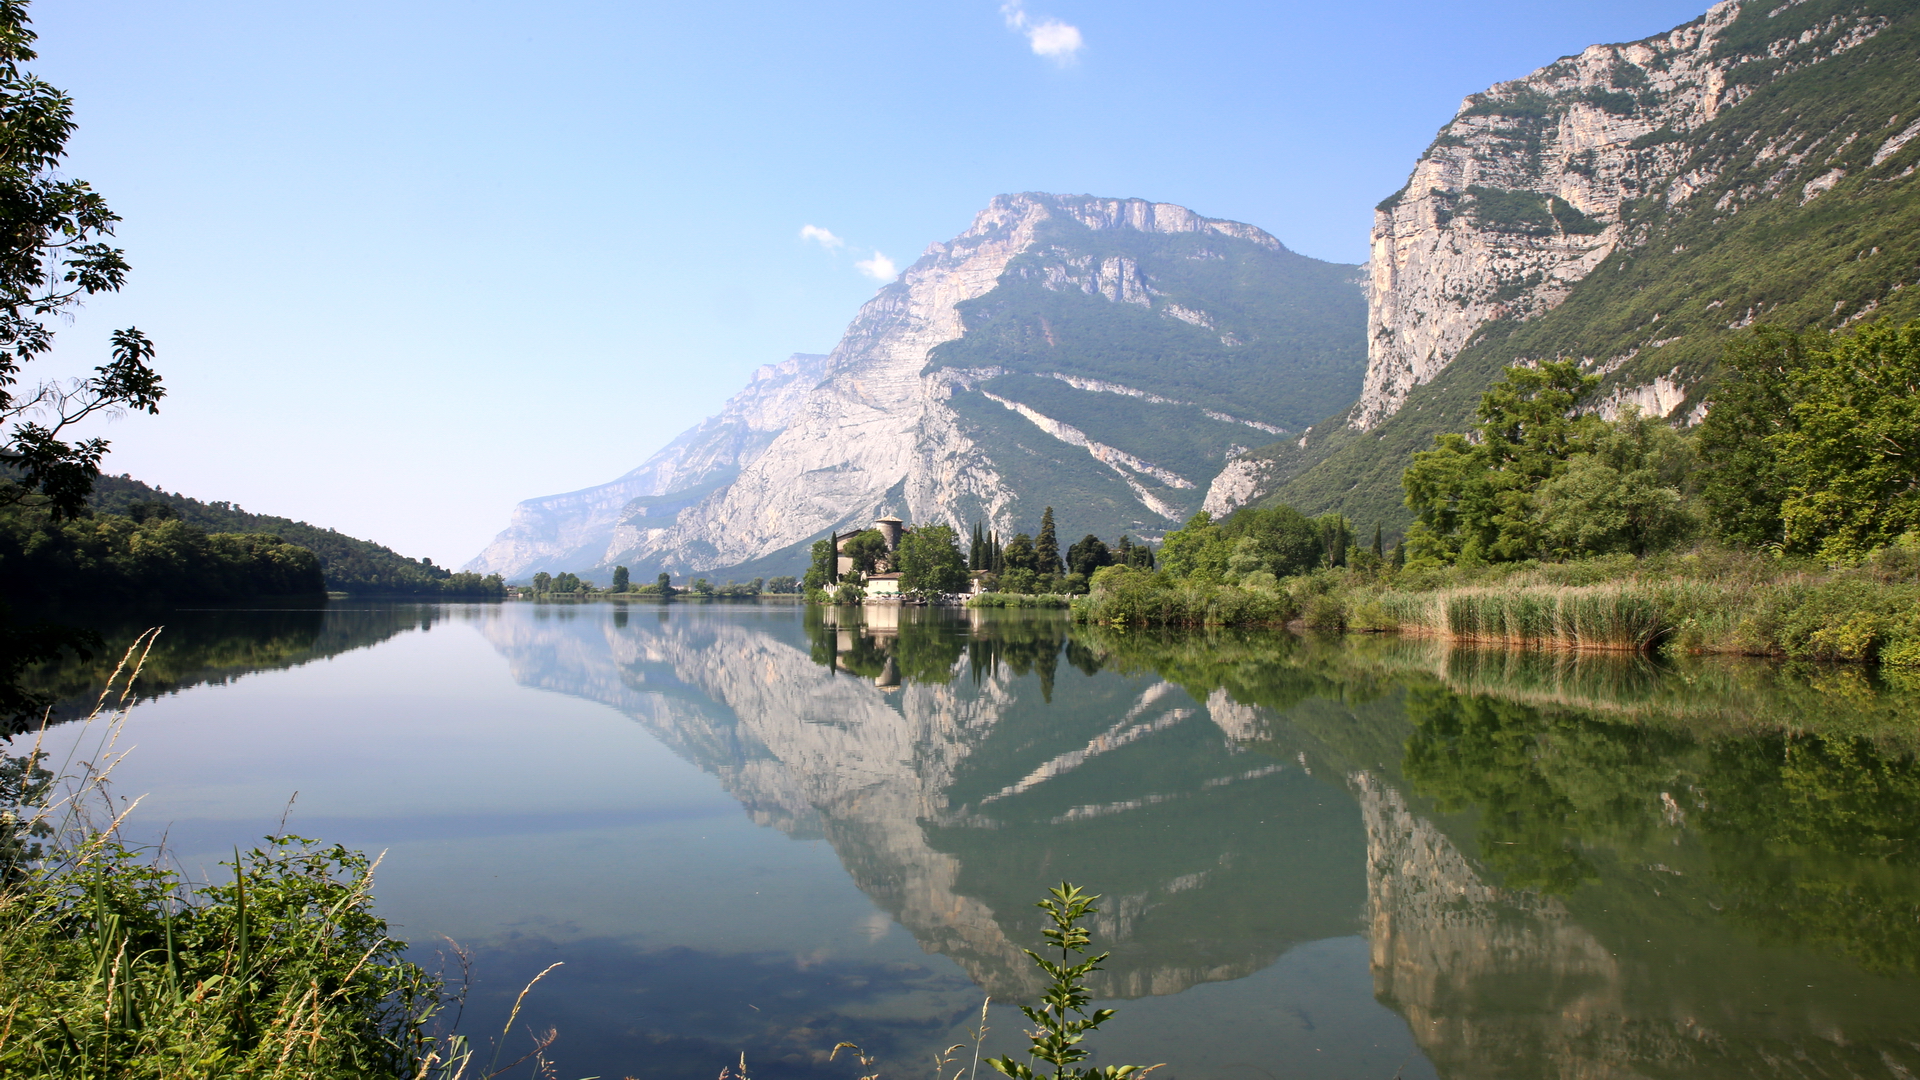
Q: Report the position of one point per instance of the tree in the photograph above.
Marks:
(665, 584)
(53, 255)
(1019, 554)
(1046, 546)
(1741, 482)
(1474, 497)
(1197, 549)
(1336, 536)
(1379, 534)
(929, 561)
(542, 582)
(1090, 553)
(867, 550)
(825, 566)
(979, 555)
(1850, 453)
(1628, 495)
(621, 579)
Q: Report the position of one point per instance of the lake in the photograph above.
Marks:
(768, 829)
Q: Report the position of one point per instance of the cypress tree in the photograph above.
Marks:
(1378, 550)
(1046, 546)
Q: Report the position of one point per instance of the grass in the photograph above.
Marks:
(112, 965)
(1704, 601)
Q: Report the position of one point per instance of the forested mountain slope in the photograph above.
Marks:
(1107, 357)
(350, 565)
(1633, 207)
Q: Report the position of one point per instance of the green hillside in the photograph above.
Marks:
(352, 566)
(1222, 331)
(1743, 249)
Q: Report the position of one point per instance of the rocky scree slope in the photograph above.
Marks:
(1107, 357)
(1632, 207)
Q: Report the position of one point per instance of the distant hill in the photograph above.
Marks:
(1632, 207)
(354, 566)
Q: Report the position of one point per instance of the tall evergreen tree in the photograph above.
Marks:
(1379, 534)
(1046, 546)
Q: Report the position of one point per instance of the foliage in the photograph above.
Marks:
(868, 550)
(1276, 541)
(1742, 485)
(1062, 1021)
(621, 579)
(1707, 261)
(53, 255)
(784, 585)
(930, 562)
(1046, 546)
(115, 966)
(822, 570)
(360, 567)
(1851, 453)
(108, 557)
(1475, 497)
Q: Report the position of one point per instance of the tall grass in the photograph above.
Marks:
(114, 966)
(1704, 601)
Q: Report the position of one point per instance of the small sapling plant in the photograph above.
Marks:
(1062, 1020)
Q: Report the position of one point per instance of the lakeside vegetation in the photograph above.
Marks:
(1787, 525)
(113, 964)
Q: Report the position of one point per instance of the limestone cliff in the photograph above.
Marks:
(576, 529)
(1104, 356)
(1634, 208)
(1520, 196)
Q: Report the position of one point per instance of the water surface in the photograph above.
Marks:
(771, 829)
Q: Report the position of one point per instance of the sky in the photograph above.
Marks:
(409, 263)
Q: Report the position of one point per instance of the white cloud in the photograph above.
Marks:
(1051, 38)
(822, 237)
(879, 268)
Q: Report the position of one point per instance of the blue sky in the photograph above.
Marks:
(410, 263)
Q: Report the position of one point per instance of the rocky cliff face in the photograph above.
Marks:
(1633, 208)
(576, 529)
(1521, 195)
(1093, 354)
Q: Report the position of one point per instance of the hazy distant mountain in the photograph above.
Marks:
(1107, 357)
(1633, 207)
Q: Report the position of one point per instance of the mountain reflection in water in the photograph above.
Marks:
(1563, 866)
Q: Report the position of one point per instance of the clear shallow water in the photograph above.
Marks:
(761, 829)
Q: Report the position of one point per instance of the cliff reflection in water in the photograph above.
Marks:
(1592, 867)
(958, 766)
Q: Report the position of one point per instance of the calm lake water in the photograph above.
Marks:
(765, 829)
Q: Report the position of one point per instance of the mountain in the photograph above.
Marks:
(1107, 357)
(577, 530)
(350, 565)
(1633, 206)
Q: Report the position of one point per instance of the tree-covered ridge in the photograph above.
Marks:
(108, 557)
(349, 565)
(1749, 243)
